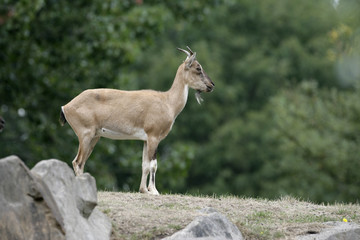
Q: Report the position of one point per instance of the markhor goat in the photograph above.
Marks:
(145, 115)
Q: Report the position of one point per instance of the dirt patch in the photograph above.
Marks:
(141, 216)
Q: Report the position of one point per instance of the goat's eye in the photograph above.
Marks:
(198, 69)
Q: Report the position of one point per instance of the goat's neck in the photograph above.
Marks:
(178, 93)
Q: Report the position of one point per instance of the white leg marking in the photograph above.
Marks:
(153, 168)
(145, 173)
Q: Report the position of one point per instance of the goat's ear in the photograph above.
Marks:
(190, 61)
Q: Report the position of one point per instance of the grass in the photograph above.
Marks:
(141, 216)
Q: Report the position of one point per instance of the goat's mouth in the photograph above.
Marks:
(208, 89)
(198, 93)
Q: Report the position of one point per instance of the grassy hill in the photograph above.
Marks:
(141, 216)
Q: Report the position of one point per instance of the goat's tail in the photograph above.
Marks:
(62, 118)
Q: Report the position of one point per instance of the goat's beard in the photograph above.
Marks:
(198, 96)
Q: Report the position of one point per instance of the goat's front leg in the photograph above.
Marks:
(149, 165)
(153, 168)
(145, 170)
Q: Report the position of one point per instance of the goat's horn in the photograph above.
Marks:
(191, 52)
(187, 53)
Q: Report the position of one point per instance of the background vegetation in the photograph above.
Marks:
(284, 118)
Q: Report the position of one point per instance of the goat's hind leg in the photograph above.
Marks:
(75, 162)
(86, 145)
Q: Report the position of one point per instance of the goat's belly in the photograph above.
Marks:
(136, 134)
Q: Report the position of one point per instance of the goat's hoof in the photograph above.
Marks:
(78, 172)
(153, 192)
(143, 190)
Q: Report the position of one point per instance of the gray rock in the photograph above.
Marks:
(213, 225)
(26, 208)
(48, 202)
(335, 231)
(86, 195)
(76, 199)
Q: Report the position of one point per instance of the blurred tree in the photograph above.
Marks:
(318, 134)
(346, 38)
(303, 143)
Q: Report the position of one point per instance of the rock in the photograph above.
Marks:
(86, 197)
(48, 202)
(336, 231)
(213, 225)
(102, 223)
(25, 213)
(76, 198)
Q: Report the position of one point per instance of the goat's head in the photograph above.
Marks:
(195, 76)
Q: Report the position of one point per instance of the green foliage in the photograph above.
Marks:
(305, 142)
(318, 133)
(283, 118)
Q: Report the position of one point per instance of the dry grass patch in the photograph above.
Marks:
(140, 216)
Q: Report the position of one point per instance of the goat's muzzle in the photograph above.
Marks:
(210, 88)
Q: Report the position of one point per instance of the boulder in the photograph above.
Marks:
(25, 212)
(211, 225)
(86, 195)
(48, 202)
(76, 197)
